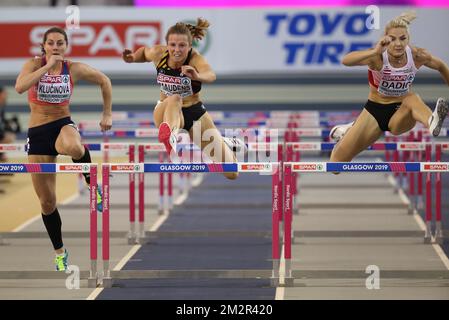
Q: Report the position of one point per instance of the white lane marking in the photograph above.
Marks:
(280, 291)
(27, 223)
(70, 199)
(36, 217)
(136, 247)
(182, 197)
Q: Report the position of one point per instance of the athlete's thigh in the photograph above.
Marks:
(159, 111)
(211, 135)
(44, 184)
(401, 121)
(361, 135)
(68, 138)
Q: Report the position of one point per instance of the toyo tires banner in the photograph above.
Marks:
(239, 41)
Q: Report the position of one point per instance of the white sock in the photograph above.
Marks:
(60, 254)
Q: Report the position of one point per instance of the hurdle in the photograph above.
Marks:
(261, 168)
(340, 167)
(53, 168)
(163, 205)
(415, 200)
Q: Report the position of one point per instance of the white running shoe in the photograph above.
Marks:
(339, 131)
(437, 118)
(236, 145)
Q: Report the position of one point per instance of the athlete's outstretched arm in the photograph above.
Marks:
(424, 57)
(143, 54)
(81, 71)
(29, 77)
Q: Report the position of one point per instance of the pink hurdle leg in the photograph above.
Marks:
(107, 281)
(105, 151)
(81, 180)
(411, 179)
(296, 158)
(161, 186)
(141, 196)
(428, 234)
(132, 198)
(403, 175)
(288, 202)
(170, 191)
(93, 276)
(438, 228)
(420, 202)
(387, 152)
(396, 156)
(281, 178)
(275, 215)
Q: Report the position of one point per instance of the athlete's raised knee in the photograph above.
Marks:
(75, 150)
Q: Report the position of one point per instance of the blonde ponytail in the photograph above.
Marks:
(401, 21)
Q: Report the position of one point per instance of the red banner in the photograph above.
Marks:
(92, 39)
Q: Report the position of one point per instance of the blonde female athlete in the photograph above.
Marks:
(180, 72)
(49, 81)
(391, 105)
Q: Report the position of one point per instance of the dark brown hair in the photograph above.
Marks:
(192, 32)
(54, 30)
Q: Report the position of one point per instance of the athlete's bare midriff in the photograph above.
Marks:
(42, 114)
(378, 98)
(187, 101)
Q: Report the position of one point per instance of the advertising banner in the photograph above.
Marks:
(239, 41)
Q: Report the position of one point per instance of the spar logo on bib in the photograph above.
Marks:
(186, 81)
